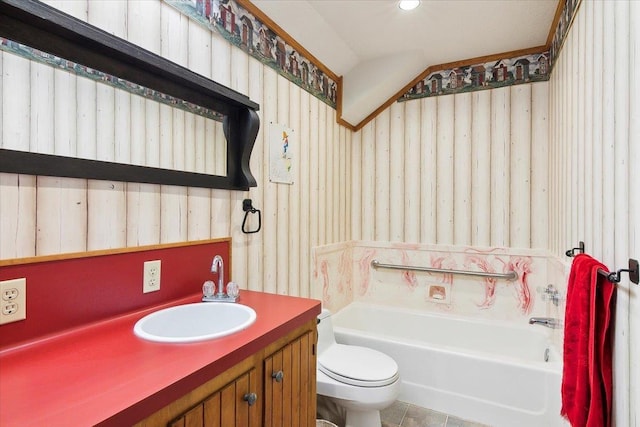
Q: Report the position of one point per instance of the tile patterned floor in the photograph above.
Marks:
(402, 414)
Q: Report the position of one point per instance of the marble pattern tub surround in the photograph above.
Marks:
(486, 298)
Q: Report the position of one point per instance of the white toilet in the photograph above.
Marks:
(361, 380)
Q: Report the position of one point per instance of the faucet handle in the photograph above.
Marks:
(233, 290)
(208, 288)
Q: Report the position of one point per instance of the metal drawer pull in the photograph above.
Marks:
(250, 398)
(278, 376)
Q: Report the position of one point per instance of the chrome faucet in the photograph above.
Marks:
(219, 264)
(549, 322)
(232, 292)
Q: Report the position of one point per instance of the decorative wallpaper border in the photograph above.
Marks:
(482, 76)
(562, 28)
(56, 62)
(242, 29)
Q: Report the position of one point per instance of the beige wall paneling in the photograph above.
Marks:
(303, 173)
(255, 242)
(540, 165)
(520, 189)
(17, 192)
(381, 171)
(269, 109)
(343, 177)
(16, 80)
(326, 153)
(411, 167)
(314, 175)
(18, 213)
(366, 191)
(240, 241)
(621, 196)
(356, 216)
(581, 134)
(594, 83)
(221, 64)
(283, 190)
(143, 200)
(634, 208)
(174, 29)
(333, 171)
(195, 141)
(481, 169)
(41, 139)
(61, 215)
(396, 171)
(428, 170)
(295, 226)
(324, 207)
(462, 143)
(608, 134)
(337, 176)
(445, 169)
(106, 201)
(594, 114)
(500, 167)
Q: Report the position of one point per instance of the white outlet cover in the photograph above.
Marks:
(13, 300)
(151, 276)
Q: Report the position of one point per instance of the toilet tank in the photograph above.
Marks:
(325, 331)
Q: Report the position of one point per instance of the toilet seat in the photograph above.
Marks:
(344, 363)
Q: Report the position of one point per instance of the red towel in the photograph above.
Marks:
(586, 376)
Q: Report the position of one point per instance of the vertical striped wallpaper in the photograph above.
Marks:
(540, 165)
(57, 112)
(467, 169)
(594, 177)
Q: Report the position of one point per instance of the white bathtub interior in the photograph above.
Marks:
(482, 370)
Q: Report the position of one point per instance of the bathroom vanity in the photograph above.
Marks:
(273, 387)
(102, 374)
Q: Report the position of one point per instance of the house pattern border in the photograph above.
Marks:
(243, 30)
(569, 12)
(505, 72)
(482, 76)
(56, 62)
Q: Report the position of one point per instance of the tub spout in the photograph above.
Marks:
(549, 322)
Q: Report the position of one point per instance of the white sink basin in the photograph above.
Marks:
(194, 322)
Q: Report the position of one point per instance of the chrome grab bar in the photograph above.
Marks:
(512, 275)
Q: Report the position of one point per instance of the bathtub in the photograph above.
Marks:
(485, 371)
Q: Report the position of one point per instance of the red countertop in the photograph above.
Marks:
(102, 374)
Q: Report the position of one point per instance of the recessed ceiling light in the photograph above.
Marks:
(408, 4)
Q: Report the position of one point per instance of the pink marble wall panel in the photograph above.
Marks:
(462, 295)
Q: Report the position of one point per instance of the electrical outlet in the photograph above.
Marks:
(13, 300)
(151, 276)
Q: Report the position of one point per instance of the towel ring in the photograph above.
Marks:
(248, 208)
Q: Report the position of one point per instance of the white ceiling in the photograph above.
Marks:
(379, 48)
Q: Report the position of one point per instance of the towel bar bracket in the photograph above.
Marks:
(615, 276)
(634, 273)
(572, 252)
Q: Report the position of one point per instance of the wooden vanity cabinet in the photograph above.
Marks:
(289, 379)
(275, 387)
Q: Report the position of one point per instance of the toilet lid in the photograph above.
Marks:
(359, 366)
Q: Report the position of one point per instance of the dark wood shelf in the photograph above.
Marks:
(42, 27)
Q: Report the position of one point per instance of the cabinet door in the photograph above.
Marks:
(290, 384)
(236, 404)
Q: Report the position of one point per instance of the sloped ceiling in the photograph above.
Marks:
(378, 48)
